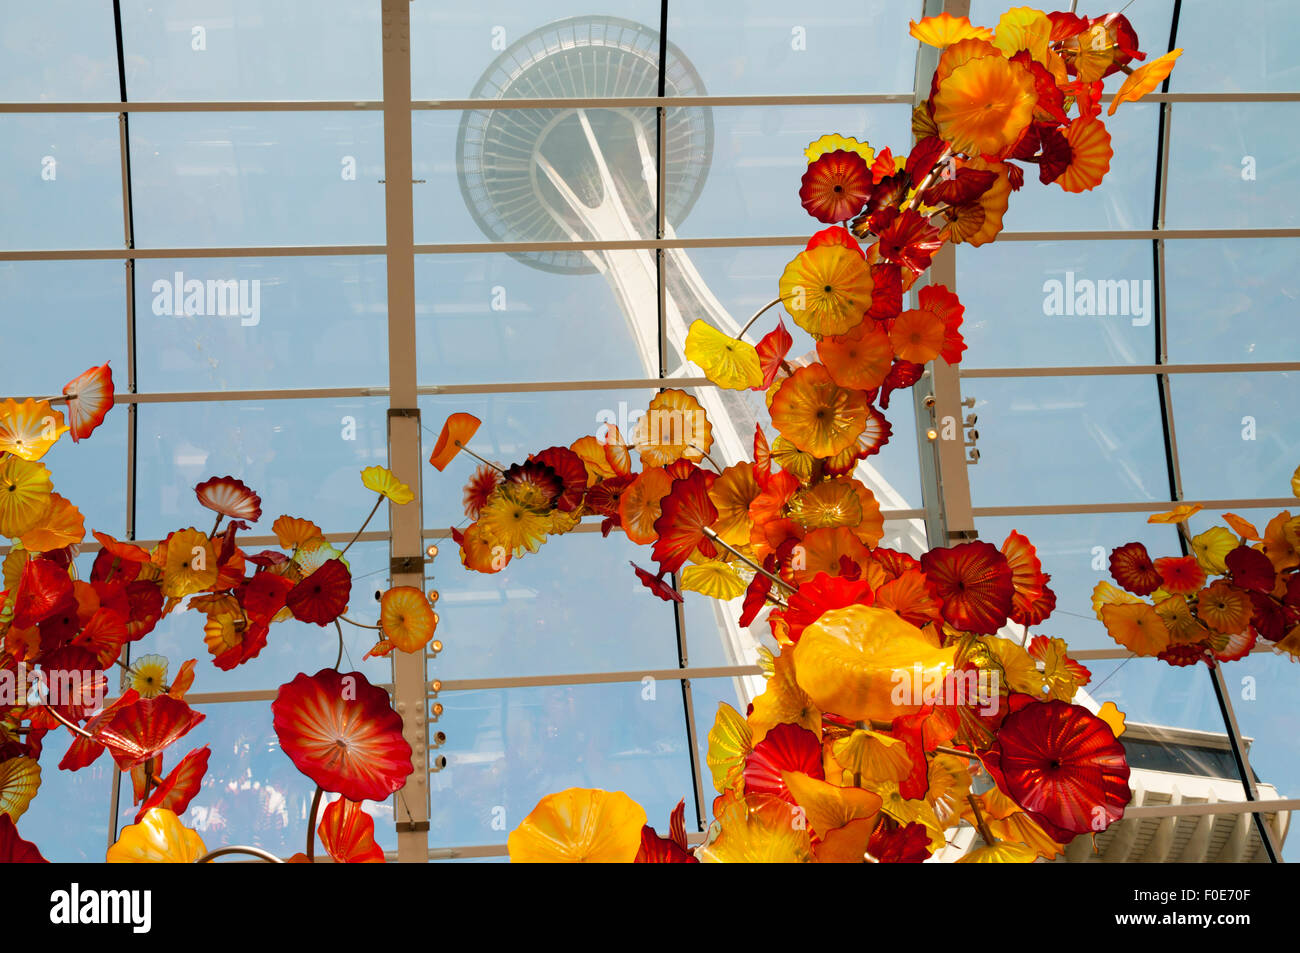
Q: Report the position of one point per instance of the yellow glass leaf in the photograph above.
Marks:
(292, 532)
(714, 579)
(25, 490)
(1024, 28)
(13, 564)
(1003, 852)
(826, 290)
(758, 829)
(1019, 670)
(1144, 79)
(159, 838)
(1105, 594)
(1112, 716)
(1281, 543)
(848, 844)
(871, 528)
(1245, 528)
(949, 778)
(766, 661)
(20, 778)
(61, 525)
(1295, 482)
(828, 807)
(1093, 50)
(859, 662)
(907, 811)
(1177, 616)
(1179, 514)
(1060, 673)
(728, 362)
(828, 504)
(190, 563)
(793, 460)
(730, 742)
(592, 453)
(783, 702)
(731, 493)
(673, 427)
(870, 754)
(836, 143)
(28, 429)
(1137, 627)
(984, 105)
(1212, 546)
(579, 826)
(946, 29)
(382, 481)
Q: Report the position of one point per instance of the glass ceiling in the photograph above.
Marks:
(251, 147)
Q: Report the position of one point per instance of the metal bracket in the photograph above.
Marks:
(406, 565)
(403, 412)
(411, 827)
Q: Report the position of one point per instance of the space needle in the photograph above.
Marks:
(590, 175)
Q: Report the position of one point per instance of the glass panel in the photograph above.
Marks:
(249, 323)
(252, 794)
(485, 177)
(493, 318)
(758, 160)
(1237, 434)
(508, 748)
(524, 48)
(216, 179)
(1261, 688)
(59, 51)
(292, 646)
(1067, 440)
(1232, 301)
(302, 456)
(84, 795)
(1124, 199)
(574, 607)
(1239, 176)
(1049, 304)
(1075, 550)
(1254, 50)
(706, 695)
(245, 50)
(62, 182)
(773, 48)
(43, 300)
(92, 473)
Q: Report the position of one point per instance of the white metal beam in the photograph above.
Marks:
(728, 241)
(411, 804)
(611, 102)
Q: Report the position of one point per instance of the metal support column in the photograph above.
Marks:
(945, 484)
(406, 550)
